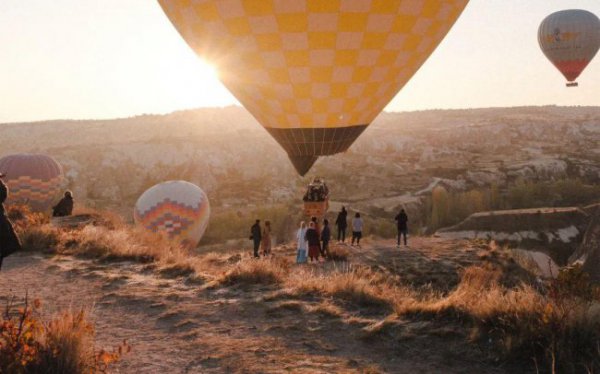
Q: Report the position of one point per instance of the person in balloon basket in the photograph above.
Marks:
(302, 252)
(357, 228)
(342, 223)
(64, 207)
(325, 237)
(9, 241)
(256, 236)
(402, 225)
(312, 237)
(266, 239)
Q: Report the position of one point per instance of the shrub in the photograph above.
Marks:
(22, 217)
(63, 345)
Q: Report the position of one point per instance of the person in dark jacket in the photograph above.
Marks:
(3, 193)
(256, 236)
(64, 207)
(312, 237)
(342, 223)
(9, 241)
(402, 223)
(325, 237)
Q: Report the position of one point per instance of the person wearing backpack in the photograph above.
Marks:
(9, 241)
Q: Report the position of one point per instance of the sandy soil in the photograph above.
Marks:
(178, 326)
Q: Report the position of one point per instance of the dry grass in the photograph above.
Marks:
(65, 344)
(44, 238)
(338, 253)
(256, 271)
(559, 331)
(557, 325)
(359, 288)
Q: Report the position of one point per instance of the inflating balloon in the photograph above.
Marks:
(32, 179)
(178, 209)
(570, 40)
(314, 73)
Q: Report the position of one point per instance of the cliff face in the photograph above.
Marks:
(589, 251)
(554, 231)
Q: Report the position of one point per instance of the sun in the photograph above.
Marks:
(196, 83)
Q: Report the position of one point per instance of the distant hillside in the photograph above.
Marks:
(398, 159)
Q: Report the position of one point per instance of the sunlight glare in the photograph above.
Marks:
(195, 82)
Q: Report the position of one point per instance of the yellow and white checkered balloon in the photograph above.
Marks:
(314, 73)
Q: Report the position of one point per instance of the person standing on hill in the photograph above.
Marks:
(325, 237)
(402, 223)
(302, 244)
(64, 207)
(357, 228)
(266, 239)
(342, 223)
(256, 236)
(9, 241)
(313, 242)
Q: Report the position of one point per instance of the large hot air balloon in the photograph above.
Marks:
(570, 40)
(178, 209)
(314, 73)
(32, 179)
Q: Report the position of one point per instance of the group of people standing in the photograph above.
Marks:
(313, 241)
(261, 238)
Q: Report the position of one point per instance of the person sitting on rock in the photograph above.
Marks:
(64, 207)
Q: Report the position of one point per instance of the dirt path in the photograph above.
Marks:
(179, 327)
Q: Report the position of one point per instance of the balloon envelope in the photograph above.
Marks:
(32, 179)
(314, 73)
(570, 40)
(178, 209)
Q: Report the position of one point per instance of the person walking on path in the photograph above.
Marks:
(256, 236)
(313, 242)
(9, 241)
(325, 237)
(266, 239)
(357, 228)
(342, 223)
(64, 207)
(402, 222)
(302, 244)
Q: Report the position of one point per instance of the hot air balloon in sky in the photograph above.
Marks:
(178, 209)
(32, 179)
(314, 73)
(570, 40)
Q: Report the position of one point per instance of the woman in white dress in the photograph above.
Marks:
(302, 244)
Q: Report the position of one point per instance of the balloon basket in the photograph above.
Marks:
(572, 84)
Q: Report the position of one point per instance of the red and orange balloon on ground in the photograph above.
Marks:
(570, 39)
(32, 179)
(314, 73)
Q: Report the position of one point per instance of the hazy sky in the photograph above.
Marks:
(115, 58)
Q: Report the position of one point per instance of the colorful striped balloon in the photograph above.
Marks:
(570, 39)
(178, 209)
(314, 73)
(32, 179)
